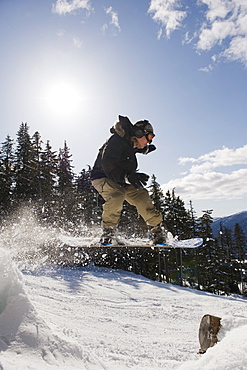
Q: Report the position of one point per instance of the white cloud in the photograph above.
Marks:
(207, 69)
(217, 8)
(104, 28)
(77, 42)
(62, 7)
(114, 19)
(237, 49)
(224, 24)
(167, 14)
(218, 158)
(60, 33)
(203, 182)
(216, 34)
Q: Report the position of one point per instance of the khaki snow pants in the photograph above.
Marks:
(114, 196)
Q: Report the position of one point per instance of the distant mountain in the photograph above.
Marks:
(230, 221)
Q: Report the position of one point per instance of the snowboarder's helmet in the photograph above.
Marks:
(144, 128)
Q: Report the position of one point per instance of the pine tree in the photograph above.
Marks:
(239, 243)
(37, 151)
(25, 166)
(65, 172)
(66, 208)
(190, 256)
(230, 276)
(205, 253)
(215, 270)
(6, 174)
(240, 254)
(221, 263)
(48, 169)
(157, 195)
(193, 221)
(178, 221)
(48, 177)
(177, 218)
(88, 199)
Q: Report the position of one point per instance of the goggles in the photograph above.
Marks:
(149, 137)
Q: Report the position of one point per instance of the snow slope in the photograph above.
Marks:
(95, 318)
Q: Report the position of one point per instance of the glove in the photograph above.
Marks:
(148, 149)
(138, 180)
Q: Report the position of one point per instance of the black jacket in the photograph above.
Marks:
(117, 157)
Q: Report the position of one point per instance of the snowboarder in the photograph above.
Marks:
(115, 177)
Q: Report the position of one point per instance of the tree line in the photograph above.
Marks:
(32, 173)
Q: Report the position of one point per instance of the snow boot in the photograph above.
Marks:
(109, 237)
(158, 235)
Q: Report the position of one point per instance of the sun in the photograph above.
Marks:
(63, 99)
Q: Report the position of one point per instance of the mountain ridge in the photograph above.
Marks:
(230, 221)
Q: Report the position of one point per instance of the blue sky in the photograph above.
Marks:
(69, 68)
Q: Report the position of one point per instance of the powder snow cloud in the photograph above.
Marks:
(202, 181)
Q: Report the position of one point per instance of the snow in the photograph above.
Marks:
(55, 317)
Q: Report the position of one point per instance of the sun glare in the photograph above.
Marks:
(63, 99)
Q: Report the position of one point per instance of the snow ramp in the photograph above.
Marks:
(23, 334)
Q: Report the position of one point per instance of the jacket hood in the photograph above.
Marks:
(123, 127)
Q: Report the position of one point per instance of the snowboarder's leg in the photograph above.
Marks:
(142, 201)
(114, 195)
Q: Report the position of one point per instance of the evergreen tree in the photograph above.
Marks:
(193, 221)
(205, 253)
(177, 218)
(178, 221)
(205, 222)
(157, 195)
(190, 256)
(65, 172)
(229, 276)
(240, 254)
(66, 208)
(48, 178)
(6, 174)
(25, 166)
(88, 199)
(48, 169)
(239, 243)
(228, 243)
(216, 272)
(36, 164)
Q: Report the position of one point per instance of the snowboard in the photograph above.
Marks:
(208, 330)
(173, 243)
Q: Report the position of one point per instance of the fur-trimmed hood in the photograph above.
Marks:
(123, 127)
